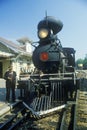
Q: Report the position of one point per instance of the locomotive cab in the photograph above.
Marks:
(70, 56)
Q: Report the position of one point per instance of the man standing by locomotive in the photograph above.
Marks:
(10, 77)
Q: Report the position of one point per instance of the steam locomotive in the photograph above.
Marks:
(49, 56)
(54, 81)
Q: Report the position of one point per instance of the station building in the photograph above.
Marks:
(18, 55)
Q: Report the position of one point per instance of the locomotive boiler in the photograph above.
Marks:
(49, 56)
(54, 82)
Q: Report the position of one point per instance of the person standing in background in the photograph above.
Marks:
(10, 77)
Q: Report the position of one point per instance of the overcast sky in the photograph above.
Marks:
(19, 18)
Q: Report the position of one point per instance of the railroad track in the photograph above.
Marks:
(63, 119)
(20, 117)
(75, 115)
(80, 121)
(25, 120)
(68, 116)
(81, 111)
(50, 122)
(13, 117)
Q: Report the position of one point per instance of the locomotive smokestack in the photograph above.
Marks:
(51, 23)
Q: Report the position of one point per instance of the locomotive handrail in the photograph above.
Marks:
(53, 79)
(54, 74)
(60, 75)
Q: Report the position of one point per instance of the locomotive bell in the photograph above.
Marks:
(49, 26)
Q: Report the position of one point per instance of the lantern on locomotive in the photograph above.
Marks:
(49, 56)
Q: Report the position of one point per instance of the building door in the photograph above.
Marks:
(0, 69)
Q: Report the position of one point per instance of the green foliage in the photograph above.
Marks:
(82, 61)
(85, 62)
(79, 61)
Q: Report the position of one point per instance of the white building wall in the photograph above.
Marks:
(6, 64)
(28, 47)
(16, 67)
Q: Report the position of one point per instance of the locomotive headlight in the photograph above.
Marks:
(43, 33)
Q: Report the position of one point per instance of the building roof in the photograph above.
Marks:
(10, 48)
(23, 40)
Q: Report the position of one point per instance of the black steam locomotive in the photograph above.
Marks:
(54, 81)
(49, 56)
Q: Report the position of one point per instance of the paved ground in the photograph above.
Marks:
(3, 91)
(3, 105)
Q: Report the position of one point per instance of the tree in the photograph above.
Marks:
(79, 61)
(85, 62)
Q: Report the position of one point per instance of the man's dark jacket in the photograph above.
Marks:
(8, 82)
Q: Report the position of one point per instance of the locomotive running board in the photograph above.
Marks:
(45, 112)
